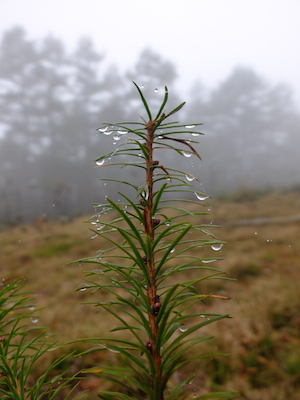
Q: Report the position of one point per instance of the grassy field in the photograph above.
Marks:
(263, 338)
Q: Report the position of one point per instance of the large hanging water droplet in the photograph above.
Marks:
(172, 250)
(34, 320)
(183, 329)
(107, 133)
(195, 134)
(201, 197)
(190, 178)
(155, 90)
(190, 126)
(103, 129)
(100, 162)
(187, 154)
(117, 137)
(121, 132)
(31, 307)
(217, 246)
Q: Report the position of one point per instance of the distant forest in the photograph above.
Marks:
(52, 100)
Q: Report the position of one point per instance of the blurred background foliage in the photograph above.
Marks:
(53, 99)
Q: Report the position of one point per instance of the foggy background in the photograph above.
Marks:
(60, 78)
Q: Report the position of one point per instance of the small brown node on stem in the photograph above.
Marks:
(155, 221)
(156, 162)
(156, 306)
(145, 259)
(2, 339)
(148, 346)
(142, 202)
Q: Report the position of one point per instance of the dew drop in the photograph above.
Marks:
(82, 287)
(217, 246)
(116, 137)
(155, 90)
(209, 261)
(187, 154)
(201, 197)
(183, 329)
(195, 134)
(100, 162)
(97, 271)
(145, 195)
(31, 307)
(172, 250)
(121, 132)
(190, 178)
(103, 129)
(190, 126)
(34, 320)
(107, 133)
(113, 351)
(94, 236)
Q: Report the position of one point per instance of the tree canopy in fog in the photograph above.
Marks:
(53, 99)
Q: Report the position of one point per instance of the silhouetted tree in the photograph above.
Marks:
(250, 124)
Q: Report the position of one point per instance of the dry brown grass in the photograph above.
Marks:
(263, 338)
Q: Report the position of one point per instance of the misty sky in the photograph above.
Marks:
(205, 39)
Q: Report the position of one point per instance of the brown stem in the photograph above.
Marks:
(149, 225)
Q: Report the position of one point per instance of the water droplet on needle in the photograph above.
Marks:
(217, 246)
(201, 196)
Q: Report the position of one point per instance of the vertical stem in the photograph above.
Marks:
(149, 230)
